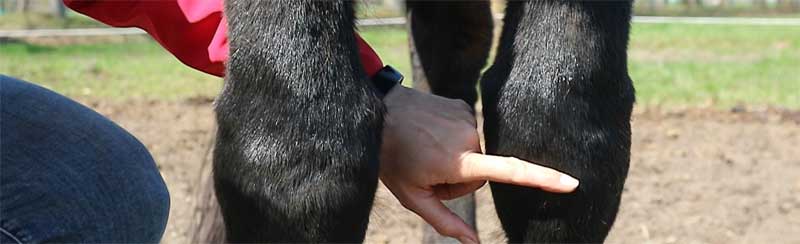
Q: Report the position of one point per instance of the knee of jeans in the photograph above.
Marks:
(158, 206)
(152, 210)
(78, 177)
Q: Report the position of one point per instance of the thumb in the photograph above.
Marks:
(444, 221)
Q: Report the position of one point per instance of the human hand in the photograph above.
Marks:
(431, 152)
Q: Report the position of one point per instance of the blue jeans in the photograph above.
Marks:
(68, 174)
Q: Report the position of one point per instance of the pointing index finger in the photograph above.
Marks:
(476, 166)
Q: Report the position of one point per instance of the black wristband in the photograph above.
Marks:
(386, 79)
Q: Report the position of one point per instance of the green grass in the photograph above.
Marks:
(44, 21)
(391, 44)
(671, 64)
(137, 69)
(685, 64)
(676, 64)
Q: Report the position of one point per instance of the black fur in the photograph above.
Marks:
(559, 95)
(296, 158)
(452, 40)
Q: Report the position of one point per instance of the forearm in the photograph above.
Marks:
(194, 33)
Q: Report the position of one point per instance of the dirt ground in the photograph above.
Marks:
(697, 175)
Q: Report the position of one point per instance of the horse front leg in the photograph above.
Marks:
(450, 42)
(559, 95)
(299, 129)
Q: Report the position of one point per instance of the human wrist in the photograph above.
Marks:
(397, 95)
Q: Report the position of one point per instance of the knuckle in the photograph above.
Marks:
(517, 171)
(464, 105)
(448, 101)
(446, 230)
(516, 162)
(519, 177)
(409, 203)
(409, 206)
(525, 172)
(469, 111)
(547, 177)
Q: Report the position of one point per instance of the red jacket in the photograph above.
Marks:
(193, 30)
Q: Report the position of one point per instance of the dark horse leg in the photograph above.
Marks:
(296, 158)
(559, 95)
(450, 41)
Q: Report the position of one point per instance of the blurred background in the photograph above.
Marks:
(716, 125)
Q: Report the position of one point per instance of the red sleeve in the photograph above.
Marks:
(194, 31)
(369, 59)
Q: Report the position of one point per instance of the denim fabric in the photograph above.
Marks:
(68, 174)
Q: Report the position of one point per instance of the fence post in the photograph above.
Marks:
(22, 6)
(59, 10)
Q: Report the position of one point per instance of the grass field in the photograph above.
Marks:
(44, 21)
(671, 64)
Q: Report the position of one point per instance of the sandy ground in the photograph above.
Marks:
(697, 175)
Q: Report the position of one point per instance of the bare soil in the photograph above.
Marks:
(697, 175)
